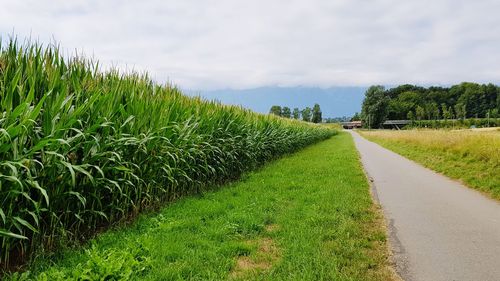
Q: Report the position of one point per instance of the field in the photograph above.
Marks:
(472, 156)
(82, 149)
(307, 216)
(455, 123)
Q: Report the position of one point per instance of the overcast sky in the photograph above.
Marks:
(252, 43)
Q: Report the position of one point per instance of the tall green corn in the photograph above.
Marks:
(80, 149)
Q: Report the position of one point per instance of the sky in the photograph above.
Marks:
(238, 44)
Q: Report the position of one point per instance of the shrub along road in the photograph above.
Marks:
(440, 229)
(307, 216)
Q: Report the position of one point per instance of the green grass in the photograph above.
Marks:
(307, 216)
(471, 156)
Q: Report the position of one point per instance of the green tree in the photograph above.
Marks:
(494, 113)
(475, 100)
(447, 112)
(498, 100)
(451, 113)
(432, 111)
(420, 113)
(316, 114)
(374, 108)
(296, 113)
(410, 115)
(473, 97)
(460, 110)
(356, 117)
(306, 114)
(276, 110)
(435, 112)
(400, 105)
(285, 112)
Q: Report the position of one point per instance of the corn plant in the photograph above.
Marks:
(81, 148)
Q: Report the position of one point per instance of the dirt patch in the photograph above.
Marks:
(244, 264)
(266, 255)
(267, 247)
(272, 227)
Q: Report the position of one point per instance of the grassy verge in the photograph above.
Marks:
(307, 216)
(471, 156)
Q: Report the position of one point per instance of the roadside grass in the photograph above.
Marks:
(306, 216)
(471, 156)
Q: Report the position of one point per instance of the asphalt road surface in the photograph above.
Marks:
(438, 228)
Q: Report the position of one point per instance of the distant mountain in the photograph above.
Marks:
(334, 101)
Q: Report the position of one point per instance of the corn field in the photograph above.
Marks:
(82, 148)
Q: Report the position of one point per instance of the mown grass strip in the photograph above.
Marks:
(471, 156)
(307, 216)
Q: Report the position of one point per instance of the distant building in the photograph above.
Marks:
(352, 124)
(395, 124)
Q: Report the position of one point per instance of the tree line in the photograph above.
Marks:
(410, 102)
(307, 114)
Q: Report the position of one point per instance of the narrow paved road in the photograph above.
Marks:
(439, 229)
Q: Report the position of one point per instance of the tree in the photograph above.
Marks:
(465, 100)
(432, 110)
(472, 98)
(296, 113)
(435, 111)
(316, 114)
(374, 108)
(397, 91)
(306, 114)
(498, 100)
(405, 102)
(494, 113)
(451, 113)
(276, 110)
(420, 113)
(355, 117)
(410, 115)
(286, 112)
(460, 110)
(446, 111)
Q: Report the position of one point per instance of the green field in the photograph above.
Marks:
(82, 149)
(307, 216)
(471, 156)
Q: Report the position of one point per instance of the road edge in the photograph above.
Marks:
(396, 252)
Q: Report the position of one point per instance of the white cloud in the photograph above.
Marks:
(233, 43)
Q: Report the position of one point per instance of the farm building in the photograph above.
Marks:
(352, 124)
